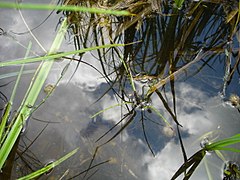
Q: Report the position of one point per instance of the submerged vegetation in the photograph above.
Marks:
(144, 48)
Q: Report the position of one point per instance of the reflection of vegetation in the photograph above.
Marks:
(195, 159)
(231, 171)
(163, 41)
(9, 132)
(172, 40)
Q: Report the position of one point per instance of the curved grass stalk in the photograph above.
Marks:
(29, 30)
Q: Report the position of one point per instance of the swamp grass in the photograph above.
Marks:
(9, 137)
(168, 46)
(24, 111)
(165, 49)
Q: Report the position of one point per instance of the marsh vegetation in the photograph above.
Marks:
(125, 87)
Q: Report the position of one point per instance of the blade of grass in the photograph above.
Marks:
(48, 167)
(145, 135)
(129, 73)
(178, 3)
(167, 106)
(4, 120)
(55, 55)
(110, 107)
(198, 156)
(20, 73)
(221, 144)
(128, 118)
(191, 163)
(13, 74)
(62, 7)
(227, 149)
(25, 111)
(207, 169)
(9, 104)
(160, 115)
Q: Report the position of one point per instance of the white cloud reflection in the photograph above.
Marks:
(197, 112)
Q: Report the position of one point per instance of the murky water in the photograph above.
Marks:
(147, 148)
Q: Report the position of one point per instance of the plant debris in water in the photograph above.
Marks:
(165, 41)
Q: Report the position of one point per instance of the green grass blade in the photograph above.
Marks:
(160, 115)
(227, 149)
(55, 55)
(25, 111)
(220, 155)
(223, 143)
(209, 175)
(4, 119)
(48, 167)
(191, 163)
(110, 107)
(178, 3)
(62, 7)
(13, 74)
(20, 73)
(129, 74)
(8, 108)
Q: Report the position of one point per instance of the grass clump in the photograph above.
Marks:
(10, 134)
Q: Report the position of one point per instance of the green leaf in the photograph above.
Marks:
(219, 145)
(62, 7)
(178, 3)
(54, 56)
(48, 167)
(31, 97)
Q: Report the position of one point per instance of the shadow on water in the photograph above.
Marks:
(175, 84)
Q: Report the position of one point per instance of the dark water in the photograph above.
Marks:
(199, 96)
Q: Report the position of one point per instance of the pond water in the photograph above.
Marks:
(147, 148)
